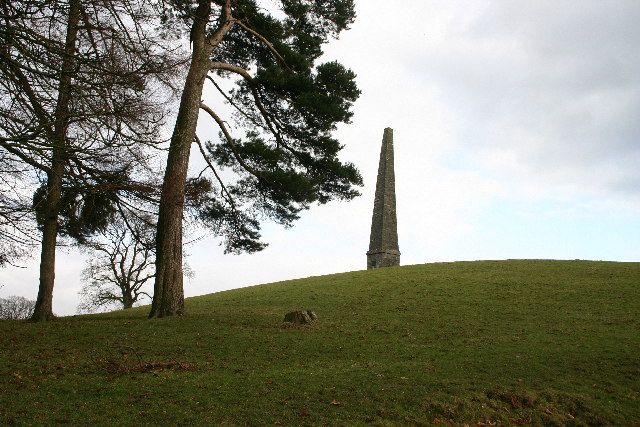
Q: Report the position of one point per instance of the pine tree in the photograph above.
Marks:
(283, 157)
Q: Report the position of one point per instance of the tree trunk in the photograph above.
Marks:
(168, 295)
(168, 291)
(43, 309)
(127, 301)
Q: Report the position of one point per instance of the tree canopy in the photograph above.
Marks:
(79, 101)
(281, 157)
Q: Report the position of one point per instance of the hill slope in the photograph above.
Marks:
(480, 342)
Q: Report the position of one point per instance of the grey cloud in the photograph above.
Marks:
(555, 83)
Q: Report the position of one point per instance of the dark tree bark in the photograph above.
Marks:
(168, 297)
(168, 294)
(43, 309)
(127, 302)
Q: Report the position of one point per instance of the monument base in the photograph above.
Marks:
(378, 259)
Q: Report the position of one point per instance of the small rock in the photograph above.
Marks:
(300, 317)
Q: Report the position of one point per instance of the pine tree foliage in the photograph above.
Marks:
(281, 157)
(286, 107)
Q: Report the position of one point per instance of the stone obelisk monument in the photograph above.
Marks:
(383, 246)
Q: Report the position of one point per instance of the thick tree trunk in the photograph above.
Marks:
(43, 309)
(127, 302)
(168, 293)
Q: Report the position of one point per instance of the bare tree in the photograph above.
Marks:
(15, 308)
(121, 263)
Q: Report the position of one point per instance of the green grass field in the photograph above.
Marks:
(483, 343)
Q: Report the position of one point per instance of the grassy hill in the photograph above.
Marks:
(508, 342)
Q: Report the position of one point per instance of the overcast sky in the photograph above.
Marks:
(517, 135)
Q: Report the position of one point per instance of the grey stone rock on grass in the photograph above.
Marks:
(300, 317)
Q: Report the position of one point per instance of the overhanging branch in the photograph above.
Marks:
(229, 138)
(223, 190)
